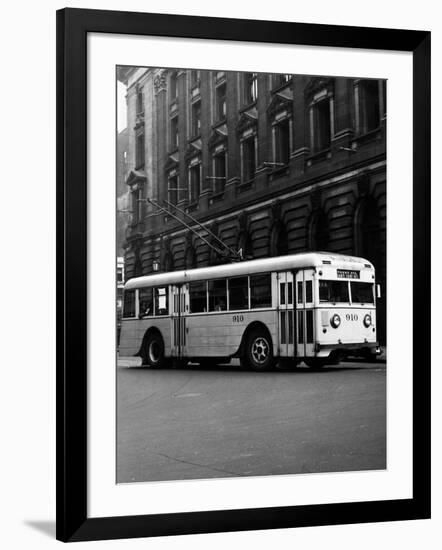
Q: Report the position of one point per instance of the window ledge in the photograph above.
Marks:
(371, 135)
(245, 185)
(217, 196)
(319, 156)
(248, 106)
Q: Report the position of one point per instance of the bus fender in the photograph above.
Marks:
(249, 328)
(149, 331)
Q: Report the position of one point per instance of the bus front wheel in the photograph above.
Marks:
(258, 352)
(153, 352)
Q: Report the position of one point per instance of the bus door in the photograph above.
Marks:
(285, 306)
(180, 300)
(304, 279)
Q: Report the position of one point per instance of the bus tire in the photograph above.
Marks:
(153, 351)
(258, 350)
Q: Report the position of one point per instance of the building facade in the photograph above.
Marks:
(270, 163)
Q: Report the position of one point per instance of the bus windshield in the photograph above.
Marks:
(333, 291)
(362, 293)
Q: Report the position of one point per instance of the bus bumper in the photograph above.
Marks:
(358, 349)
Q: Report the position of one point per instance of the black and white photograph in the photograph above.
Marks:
(251, 274)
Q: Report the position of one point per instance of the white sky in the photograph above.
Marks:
(121, 106)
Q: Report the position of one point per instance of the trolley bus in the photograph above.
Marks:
(314, 307)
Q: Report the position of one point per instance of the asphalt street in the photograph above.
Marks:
(195, 422)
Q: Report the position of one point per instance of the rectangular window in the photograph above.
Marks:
(174, 134)
(129, 303)
(282, 142)
(198, 297)
(282, 293)
(321, 125)
(300, 295)
(139, 151)
(220, 172)
(194, 183)
(369, 105)
(283, 327)
(250, 88)
(172, 190)
(217, 295)
(308, 292)
(309, 326)
(145, 297)
(239, 293)
(248, 158)
(260, 291)
(162, 300)
(196, 118)
(362, 293)
(221, 107)
(289, 293)
(300, 327)
(333, 292)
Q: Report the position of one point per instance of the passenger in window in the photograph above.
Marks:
(145, 309)
(220, 305)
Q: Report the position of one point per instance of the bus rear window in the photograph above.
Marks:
(362, 293)
(129, 303)
(333, 291)
(260, 291)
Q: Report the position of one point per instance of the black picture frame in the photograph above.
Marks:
(73, 25)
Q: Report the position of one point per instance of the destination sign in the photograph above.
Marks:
(348, 274)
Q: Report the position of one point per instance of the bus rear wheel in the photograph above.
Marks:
(258, 350)
(153, 351)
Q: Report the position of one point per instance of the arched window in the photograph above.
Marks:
(319, 232)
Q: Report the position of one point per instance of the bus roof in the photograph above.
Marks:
(262, 265)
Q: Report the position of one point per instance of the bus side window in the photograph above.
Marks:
(239, 293)
(217, 295)
(129, 304)
(260, 291)
(161, 300)
(146, 302)
(198, 297)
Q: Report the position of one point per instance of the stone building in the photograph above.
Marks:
(270, 163)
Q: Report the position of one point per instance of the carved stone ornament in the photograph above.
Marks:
(160, 82)
(317, 84)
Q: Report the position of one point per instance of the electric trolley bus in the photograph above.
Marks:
(314, 307)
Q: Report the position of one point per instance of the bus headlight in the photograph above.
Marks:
(367, 320)
(335, 321)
